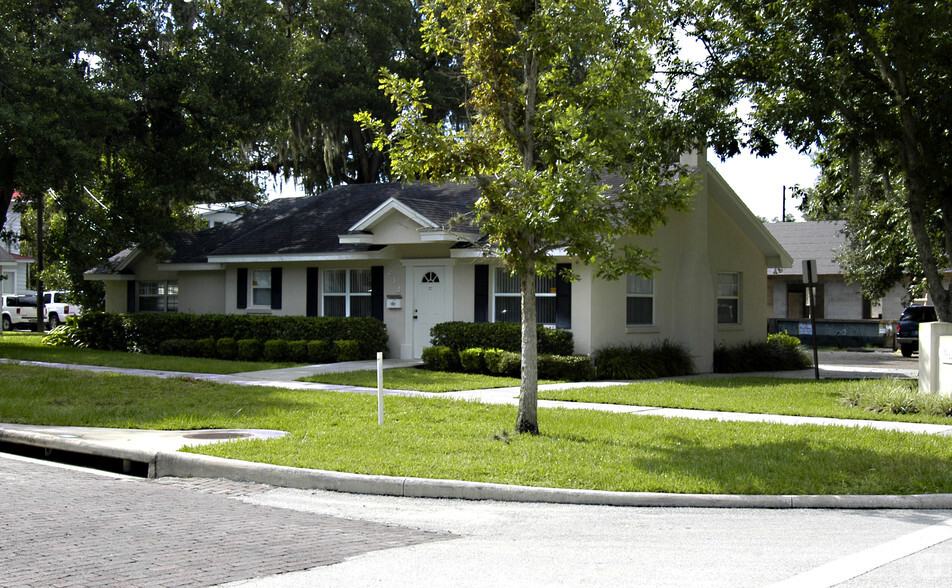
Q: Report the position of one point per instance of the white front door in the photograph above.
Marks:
(429, 304)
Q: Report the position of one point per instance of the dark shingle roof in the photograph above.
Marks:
(312, 224)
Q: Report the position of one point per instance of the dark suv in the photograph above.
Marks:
(907, 333)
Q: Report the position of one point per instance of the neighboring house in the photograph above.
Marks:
(388, 251)
(222, 213)
(822, 241)
(14, 268)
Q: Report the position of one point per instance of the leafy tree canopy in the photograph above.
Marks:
(338, 49)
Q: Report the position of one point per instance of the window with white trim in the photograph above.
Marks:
(728, 298)
(158, 296)
(507, 303)
(347, 292)
(639, 309)
(261, 288)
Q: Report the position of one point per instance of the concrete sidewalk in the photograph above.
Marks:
(160, 448)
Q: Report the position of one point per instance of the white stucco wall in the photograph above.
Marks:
(201, 292)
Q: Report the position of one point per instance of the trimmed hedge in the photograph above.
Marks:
(144, 332)
(781, 352)
(440, 359)
(458, 336)
(498, 362)
(348, 351)
(640, 362)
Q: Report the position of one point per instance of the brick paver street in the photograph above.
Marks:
(68, 527)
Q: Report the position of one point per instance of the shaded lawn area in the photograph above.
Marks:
(440, 438)
(30, 347)
(753, 395)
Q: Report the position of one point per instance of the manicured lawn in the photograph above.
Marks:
(755, 395)
(447, 439)
(29, 346)
(415, 379)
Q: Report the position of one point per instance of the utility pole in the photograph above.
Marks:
(783, 209)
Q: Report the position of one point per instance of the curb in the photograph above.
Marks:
(190, 465)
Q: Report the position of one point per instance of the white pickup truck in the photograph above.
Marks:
(19, 311)
(58, 306)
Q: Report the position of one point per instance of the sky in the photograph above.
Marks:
(759, 181)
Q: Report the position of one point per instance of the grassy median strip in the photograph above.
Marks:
(29, 346)
(414, 379)
(462, 440)
(825, 398)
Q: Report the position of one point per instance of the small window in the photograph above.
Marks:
(507, 298)
(728, 298)
(261, 288)
(158, 296)
(640, 301)
(347, 292)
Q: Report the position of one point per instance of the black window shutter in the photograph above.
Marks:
(131, 296)
(563, 297)
(481, 294)
(376, 292)
(310, 292)
(242, 287)
(276, 288)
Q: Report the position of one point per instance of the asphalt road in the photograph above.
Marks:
(61, 526)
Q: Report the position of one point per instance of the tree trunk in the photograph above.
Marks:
(527, 420)
(40, 307)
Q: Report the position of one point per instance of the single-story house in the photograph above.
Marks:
(822, 241)
(388, 251)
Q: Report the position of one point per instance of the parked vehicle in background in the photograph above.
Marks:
(19, 311)
(59, 306)
(907, 333)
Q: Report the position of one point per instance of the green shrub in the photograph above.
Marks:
(226, 348)
(766, 356)
(472, 360)
(458, 336)
(145, 331)
(503, 363)
(574, 368)
(275, 350)
(205, 348)
(297, 351)
(101, 330)
(785, 340)
(640, 362)
(440, 359)
(249, 349)
(348, 350)
(320, 352)
(65, 335)
(179, 347)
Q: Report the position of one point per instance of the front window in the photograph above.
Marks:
(261, 288)
(158, 296)
(347, 292)
(640, 301)
(728, 298)
(506, 298)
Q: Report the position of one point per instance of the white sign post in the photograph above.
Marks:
(379, 388)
